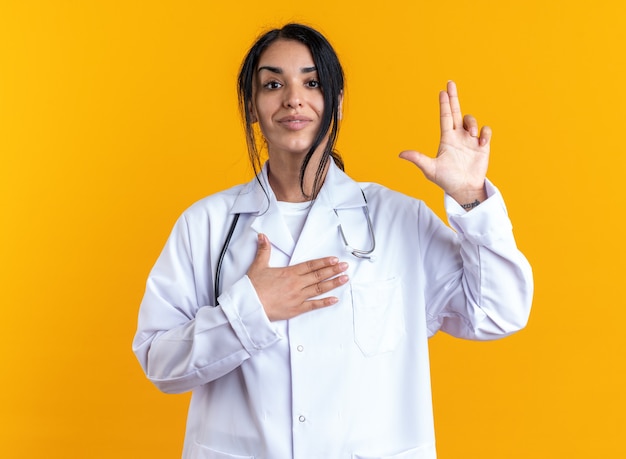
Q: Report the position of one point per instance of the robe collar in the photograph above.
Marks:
(338, 192)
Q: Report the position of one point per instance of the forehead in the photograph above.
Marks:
(284, 52)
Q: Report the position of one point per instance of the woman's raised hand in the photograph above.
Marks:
(287, 292)
(461, 163)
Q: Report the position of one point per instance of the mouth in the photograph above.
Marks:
(294, 123)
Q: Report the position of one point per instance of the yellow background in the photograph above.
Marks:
(116, 115)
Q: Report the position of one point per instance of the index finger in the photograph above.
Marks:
(450, 108)
(445, 113)
(310, 266)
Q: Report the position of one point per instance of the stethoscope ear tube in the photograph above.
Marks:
(364, 254)
(358, 253)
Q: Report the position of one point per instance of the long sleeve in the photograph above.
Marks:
(182, 344)
(484, 291)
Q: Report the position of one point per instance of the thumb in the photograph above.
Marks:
(263, 251)
(425, 163)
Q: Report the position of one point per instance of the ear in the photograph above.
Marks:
(252, 113)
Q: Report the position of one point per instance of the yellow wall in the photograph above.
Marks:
(116, 115)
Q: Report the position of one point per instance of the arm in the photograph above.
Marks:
(479, 285)
(181, 343)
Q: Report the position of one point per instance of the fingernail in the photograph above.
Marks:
(334, 261)
(474, 131)
(343, 266)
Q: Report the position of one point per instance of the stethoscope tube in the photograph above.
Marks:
(218, 269)
(358, 253)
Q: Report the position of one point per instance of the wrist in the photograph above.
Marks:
(470, 205)
(470, 199)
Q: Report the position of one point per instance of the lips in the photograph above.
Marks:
(295, 122)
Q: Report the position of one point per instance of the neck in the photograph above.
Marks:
(284, 178)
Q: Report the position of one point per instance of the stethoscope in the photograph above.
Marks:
(358, 253)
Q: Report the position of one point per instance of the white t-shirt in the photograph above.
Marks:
(294, 214)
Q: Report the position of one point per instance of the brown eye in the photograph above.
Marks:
(314, 84)
(272, 85)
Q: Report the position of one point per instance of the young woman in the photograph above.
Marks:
(298, 307)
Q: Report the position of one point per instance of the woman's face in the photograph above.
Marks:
(287, 98)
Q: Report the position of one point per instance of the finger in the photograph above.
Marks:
(485, 136)
(424, 163)
(455, 105)
(311, 305)
(324, 274)
(313, 265)
(263, 252)
(319, 288)
(470, 125)
(446, 123)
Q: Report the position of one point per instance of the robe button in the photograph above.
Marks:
(301, 419)
(300, 348)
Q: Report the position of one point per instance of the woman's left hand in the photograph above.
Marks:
(461, 163)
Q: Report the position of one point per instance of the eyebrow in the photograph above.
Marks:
(279, 71)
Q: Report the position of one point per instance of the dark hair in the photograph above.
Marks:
(331, 80)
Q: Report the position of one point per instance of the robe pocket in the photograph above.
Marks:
(202, 452)
(378, 316)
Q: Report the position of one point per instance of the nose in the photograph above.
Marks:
(293, 96)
